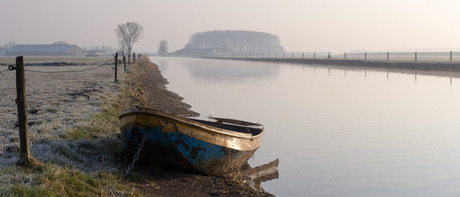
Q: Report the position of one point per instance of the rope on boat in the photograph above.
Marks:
(136, 156)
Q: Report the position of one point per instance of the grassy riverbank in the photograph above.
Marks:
(436, 68)
(74, 133)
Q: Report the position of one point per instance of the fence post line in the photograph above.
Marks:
(124, 61)
(129, 59)
(116, 66)
(303, 55)
(329, 55)
(345, 55)
(388, 56)
(22, 111)
(415, 56)
(134, 58)
(314, 55)
(365, 55)
(450, 55)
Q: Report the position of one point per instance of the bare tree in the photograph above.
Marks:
(163, 48)
(9, 44)
(128, 34)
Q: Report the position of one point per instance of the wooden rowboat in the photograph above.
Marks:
(217, 147)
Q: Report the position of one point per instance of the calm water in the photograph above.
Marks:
(336, 132)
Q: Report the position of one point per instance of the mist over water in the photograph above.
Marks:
(336, 132)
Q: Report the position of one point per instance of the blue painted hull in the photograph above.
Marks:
(187, 144)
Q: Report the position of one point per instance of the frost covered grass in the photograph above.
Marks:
(47, 59)
(57, 180)
(73, 133)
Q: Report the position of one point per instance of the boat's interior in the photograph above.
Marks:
(254, 130)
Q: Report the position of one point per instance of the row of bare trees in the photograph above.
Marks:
(236, 41)
(131, 32)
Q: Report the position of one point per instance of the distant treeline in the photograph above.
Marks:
(236, 41)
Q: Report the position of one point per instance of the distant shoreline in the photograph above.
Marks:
(451, 69)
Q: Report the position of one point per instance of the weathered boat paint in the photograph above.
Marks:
(188, 143)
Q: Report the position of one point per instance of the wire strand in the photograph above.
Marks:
(69, 71)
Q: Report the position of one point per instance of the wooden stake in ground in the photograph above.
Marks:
(124, 63)
(22, 111)
(116, 66)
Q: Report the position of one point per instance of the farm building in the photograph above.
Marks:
(45, 50)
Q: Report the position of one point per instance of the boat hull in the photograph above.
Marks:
(179, 142)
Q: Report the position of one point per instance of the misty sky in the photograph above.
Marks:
(302, 25)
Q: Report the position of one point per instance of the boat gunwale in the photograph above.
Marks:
(194, 123)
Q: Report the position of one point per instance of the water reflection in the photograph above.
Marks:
(223, 70)
(257, 175)
(162, 64)
(367, 133)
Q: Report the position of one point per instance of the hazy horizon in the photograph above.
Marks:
(315, 25)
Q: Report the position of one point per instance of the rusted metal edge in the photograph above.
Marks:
(234, 121)
(189, 122)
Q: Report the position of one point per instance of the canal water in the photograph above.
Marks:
(337, 132)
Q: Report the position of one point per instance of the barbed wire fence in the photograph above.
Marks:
(19, 67)
(20, 86)
(11, 67)
(415, 56)
(69, 71)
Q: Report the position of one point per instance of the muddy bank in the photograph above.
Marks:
(449, 69)
(146, 87)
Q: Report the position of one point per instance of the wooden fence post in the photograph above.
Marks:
(365, 55)
(415, 56)
(124, 61)
(450, 55)
(22, 111)
(116, 66)
(129, 59)
(345, 55)
(134, 58)
(388, 56)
